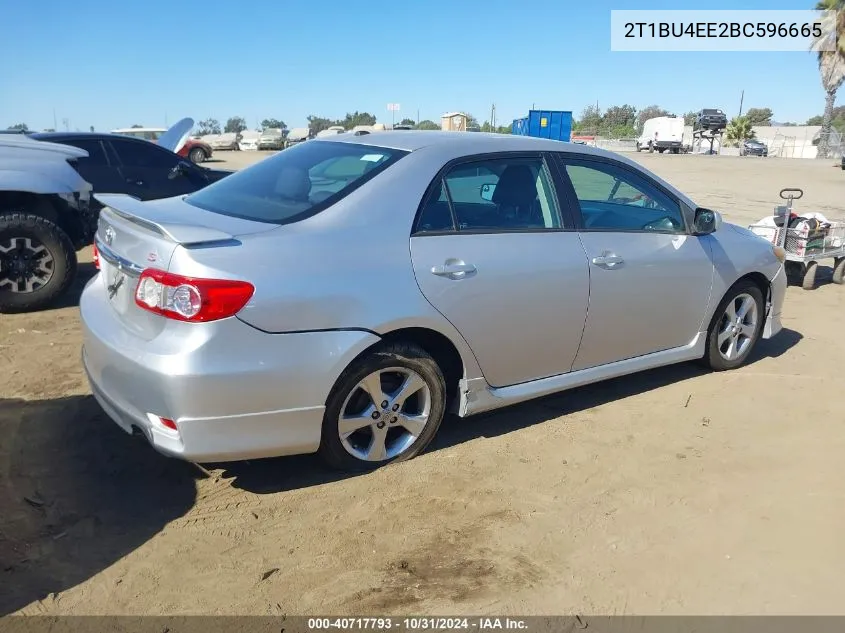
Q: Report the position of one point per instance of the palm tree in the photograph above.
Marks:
(831, 63)
(739, 129)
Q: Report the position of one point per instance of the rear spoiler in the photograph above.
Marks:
(133, 210)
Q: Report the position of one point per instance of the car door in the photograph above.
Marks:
(148, 170)
(97, 169)
(650, 278)
(492, 253)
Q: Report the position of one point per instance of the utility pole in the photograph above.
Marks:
(741, 99)
(418, 116)
(55, 121)
(66, 123)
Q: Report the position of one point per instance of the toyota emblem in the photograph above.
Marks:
(109, 235)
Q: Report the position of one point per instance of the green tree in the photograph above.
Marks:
(759, 116)
(619, 116)
(590, 120)
(356, 118)
(235, 125)
(427, 125)
(273, 123)
(650, 112)
(689, 118)
(137, 125)
(19, 126)
(831, 64)
(208, 126)
(407, 122)
(739, 129)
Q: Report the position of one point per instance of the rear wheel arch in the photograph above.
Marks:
(444, 352)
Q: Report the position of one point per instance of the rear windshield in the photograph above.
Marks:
(295, 183)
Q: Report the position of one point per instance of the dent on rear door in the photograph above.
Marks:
(522, 312)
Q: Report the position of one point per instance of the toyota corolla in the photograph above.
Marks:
(342, 296)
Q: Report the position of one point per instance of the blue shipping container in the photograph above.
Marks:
(520, 126)
(551, 124)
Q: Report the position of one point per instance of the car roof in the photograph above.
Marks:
(462, 142)
(459, 144)
(54, 136)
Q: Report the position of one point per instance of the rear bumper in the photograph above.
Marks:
(773, 323)
(234, 392)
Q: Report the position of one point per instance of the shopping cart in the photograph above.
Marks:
(804, 244)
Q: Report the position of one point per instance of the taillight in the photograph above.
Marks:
(95, 257)
(189, 298)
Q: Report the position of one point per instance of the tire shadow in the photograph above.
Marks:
(273, 475)
(76, 495)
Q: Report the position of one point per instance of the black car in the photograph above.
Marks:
(710, 119)
(122, 164)
(843, 162)
(753, 148)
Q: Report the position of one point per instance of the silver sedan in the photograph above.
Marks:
(342, 296)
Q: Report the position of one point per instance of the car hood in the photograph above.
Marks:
(178, 134)
(18, 145)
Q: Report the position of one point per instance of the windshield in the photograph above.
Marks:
(296, 183)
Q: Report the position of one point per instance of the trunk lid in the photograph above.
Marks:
(133, 235)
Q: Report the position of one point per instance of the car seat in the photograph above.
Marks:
(516, 197)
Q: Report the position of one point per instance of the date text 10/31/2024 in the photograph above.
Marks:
(416, 624)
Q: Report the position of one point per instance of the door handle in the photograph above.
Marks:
(608, 261)
(132, 181)
(453, 271)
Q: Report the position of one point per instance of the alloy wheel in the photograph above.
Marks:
(737, 327)
(25, 265)
(384, 414)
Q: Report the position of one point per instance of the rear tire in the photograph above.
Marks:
(728, 347)
(808, 282)
(376, 426)
(839, 270)
(47, 255)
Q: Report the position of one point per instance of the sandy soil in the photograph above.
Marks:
(674, 491)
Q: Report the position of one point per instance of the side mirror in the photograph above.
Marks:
(180, 169)
(487, 191)
(706, 221)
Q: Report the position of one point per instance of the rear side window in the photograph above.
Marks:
(295, 183)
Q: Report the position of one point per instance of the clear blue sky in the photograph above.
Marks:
(113, 63)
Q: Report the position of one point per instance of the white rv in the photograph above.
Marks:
(662, 133)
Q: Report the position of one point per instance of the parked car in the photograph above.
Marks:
(47, 226)
(662, 133)
(249, 140)
(45, 217)
(123, 164)
(226, 141)
(752, 147)
(507, 268)
(194, 149)
(297, 135)
(271, 138)
(842, 162)
(710, 119)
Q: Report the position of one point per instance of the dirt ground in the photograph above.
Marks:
(674, 491)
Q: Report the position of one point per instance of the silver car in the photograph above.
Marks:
(340, 297)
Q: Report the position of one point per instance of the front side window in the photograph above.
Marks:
(614, 199)
(501, 194)
(295, 183)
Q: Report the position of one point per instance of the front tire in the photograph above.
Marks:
(736, 327)
(197, 155)
(37, 262)
(385, 407)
